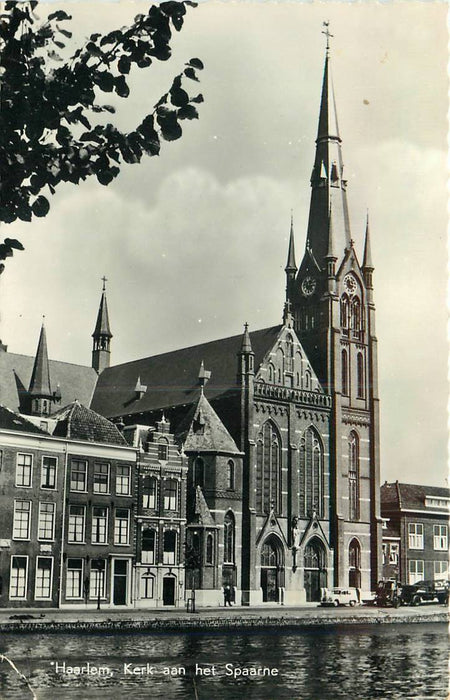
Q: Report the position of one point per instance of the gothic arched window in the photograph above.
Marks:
(199, 472)
(356, 317)
(344, 372)
(353, 476)
(230, 474)
(345, 314)
(360, 375)
(209, 549)
(228, 538)
(271, 373)
(268, 469)
(289, 357)
(311, 474)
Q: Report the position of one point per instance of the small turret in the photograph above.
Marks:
(291, 267)
(102, 335)
(39, 391)
(246, 357)
(367, 266)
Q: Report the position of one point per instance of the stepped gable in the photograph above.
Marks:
(13, 421)
(202, 430)
(80, 423)
(74, 381)
(172, 378)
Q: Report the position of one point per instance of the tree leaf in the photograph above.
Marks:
(121, 86)
(190, 73)
(40, 206)
(14, 243)
(197, 99)
(124, 64)
(60, 15)
(187, 112)
(105, 81)
(195, 63)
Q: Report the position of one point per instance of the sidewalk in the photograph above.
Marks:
(158, 619)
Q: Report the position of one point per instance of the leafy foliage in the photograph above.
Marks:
(47, 103)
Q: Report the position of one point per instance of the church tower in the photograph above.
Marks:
(331, 298)
(39, 393)
(102, 335)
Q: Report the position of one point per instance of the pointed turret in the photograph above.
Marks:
(367, 266)
(102, 335)
(246, 346)
(291, 267)
(40, 390)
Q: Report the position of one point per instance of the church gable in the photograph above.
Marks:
(286, 364)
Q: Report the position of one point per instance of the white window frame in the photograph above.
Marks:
(103, 539)
(55, 471)
(78, 461)
(147, 496)
(74, 540)
(25, 583)
(95, 575)
(415, 535)
(170, 498)
(30, 467)
(40, 521)
(440, 538)
(170, 556)
(118, 528)
(440, 569)
(148, 556)
(122, 480)
(50, 585)
(15, 536)
(80, 596)
(147, 579)
(415, 570)
(96, 486)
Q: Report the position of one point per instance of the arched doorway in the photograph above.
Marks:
(354, 564)
(271, 569)
(315, 575)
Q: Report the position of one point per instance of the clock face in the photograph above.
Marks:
(308, 286)
(350, 284)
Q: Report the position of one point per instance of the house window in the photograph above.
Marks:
(122, 480)
(384, 549)
(147, 585)
(344, 372)
(199, 472)
(353, 476)
(44, 575)
(360, 376)
(77, 517)
(74, 578)
(311, 474)
(230, 474)
(440, 537)
(18, 578)
(170, 543)
(268, 469)
(163, 449)
(122, 526)
(101, 477)
(78, 475)
(22, 520)
(46, 523)
(97, 583)
(99, 524)
(228, 538)
(393, 553)
(148, 546)
(48, 472)
(415, 570)
(440, 570)
(170, 494)
(415, 535)
(209, 549)
(149, 492)
(24, 469)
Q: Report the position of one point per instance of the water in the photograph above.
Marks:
(360, 663)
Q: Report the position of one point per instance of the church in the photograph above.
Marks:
(276, 430)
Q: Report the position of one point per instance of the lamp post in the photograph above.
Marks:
(100, 566)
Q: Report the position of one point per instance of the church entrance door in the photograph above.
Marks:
(271, 569)
(315, 575)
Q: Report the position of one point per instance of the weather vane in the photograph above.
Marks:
(326, 31)
(104, 280)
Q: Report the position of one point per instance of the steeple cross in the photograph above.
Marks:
(326, 31)
(104, 280)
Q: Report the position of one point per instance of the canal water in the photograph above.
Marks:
(359, 663)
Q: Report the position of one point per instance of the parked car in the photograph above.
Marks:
(340, 596)
(389, 593)
(425, 592)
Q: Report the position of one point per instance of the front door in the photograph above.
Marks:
(312, 585)
(269, 585)
(169, 590)
(120, 582)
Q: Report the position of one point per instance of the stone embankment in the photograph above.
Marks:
(208, 620)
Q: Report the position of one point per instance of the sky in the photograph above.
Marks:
(194, 242)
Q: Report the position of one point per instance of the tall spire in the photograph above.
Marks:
(39, 391)
(327, 181)
(367, 258)
(290, 265)
(102, 335)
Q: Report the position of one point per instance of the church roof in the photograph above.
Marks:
(75, 381)
(172, 378)
(80, 423)
(13, 421)
(203, 431)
